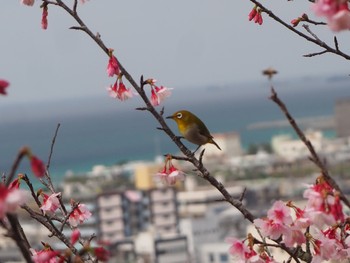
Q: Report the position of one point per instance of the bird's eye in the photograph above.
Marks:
(179, 115)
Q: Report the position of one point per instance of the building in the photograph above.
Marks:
(124, 214)
(342, 121)
(230, 144)
(215, 253)
(292, 149)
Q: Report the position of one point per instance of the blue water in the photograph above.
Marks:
(103, 131)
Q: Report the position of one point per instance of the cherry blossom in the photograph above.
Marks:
(113, 65)
(51, 203)
(169, 175)
(11, 199)
(28, 2)
(38, 167)
(255, 15)
(323, 206)
(159, 94)
(280, 213)
(45, 255)
(75, 236)
(3, 85)
(79, 215)
(44, 17)
(101, 254)
(175, 175)
(335, 11)
(119, 91)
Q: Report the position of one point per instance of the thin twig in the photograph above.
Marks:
(315, 54)
(14, 166)
(51, 148)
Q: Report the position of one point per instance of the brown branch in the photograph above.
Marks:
(17, 234)
(51, 149)
(314, 156)
(315, 54)
(50, 226)
(299, 33)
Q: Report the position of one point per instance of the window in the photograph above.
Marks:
(223, 258)
(211, 257)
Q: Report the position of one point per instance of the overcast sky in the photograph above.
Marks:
(180, 43)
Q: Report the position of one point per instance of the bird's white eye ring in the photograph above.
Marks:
(179, 115)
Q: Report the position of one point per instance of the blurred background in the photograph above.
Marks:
(212, 57)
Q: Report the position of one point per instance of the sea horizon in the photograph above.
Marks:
(104, 131)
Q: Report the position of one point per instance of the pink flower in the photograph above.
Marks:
(280, 213)
(335, 11)
(255, 15)
(325, 8)
(51, 203)
(44, 256)
(3, 85)
(238, 248)
(163, 175)
(101, 254)
(295, 22)
(113, 66)
(154, 98)
(323, 202)
(170, 175)
(44, 17)
(270, 228)
(79, 215)
(324, 248)
(27, 2)
(38, 167)
(15, 183)
(175, 175)
(294, 236)
(159, 94)
(11, 199)
(75, 236)
(340, 21)
(118, 90)
(252, 13)
(258, 18)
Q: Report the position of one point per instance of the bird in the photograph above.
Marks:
(192, 128)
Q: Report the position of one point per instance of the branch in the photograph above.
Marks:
(294, 30)
(17, 234)
(54, 231)
(314, 156)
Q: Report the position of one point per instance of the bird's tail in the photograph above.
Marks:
(213, 142)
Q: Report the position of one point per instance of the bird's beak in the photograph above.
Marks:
(169, 117)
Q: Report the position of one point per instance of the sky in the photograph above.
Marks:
(180, 43)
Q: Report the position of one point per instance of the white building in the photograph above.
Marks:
(230, 144)
(294, 149)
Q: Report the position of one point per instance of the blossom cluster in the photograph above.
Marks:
(255, 15)
(118, 89)
(321, 225)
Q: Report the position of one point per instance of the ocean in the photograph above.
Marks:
(100, 130)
